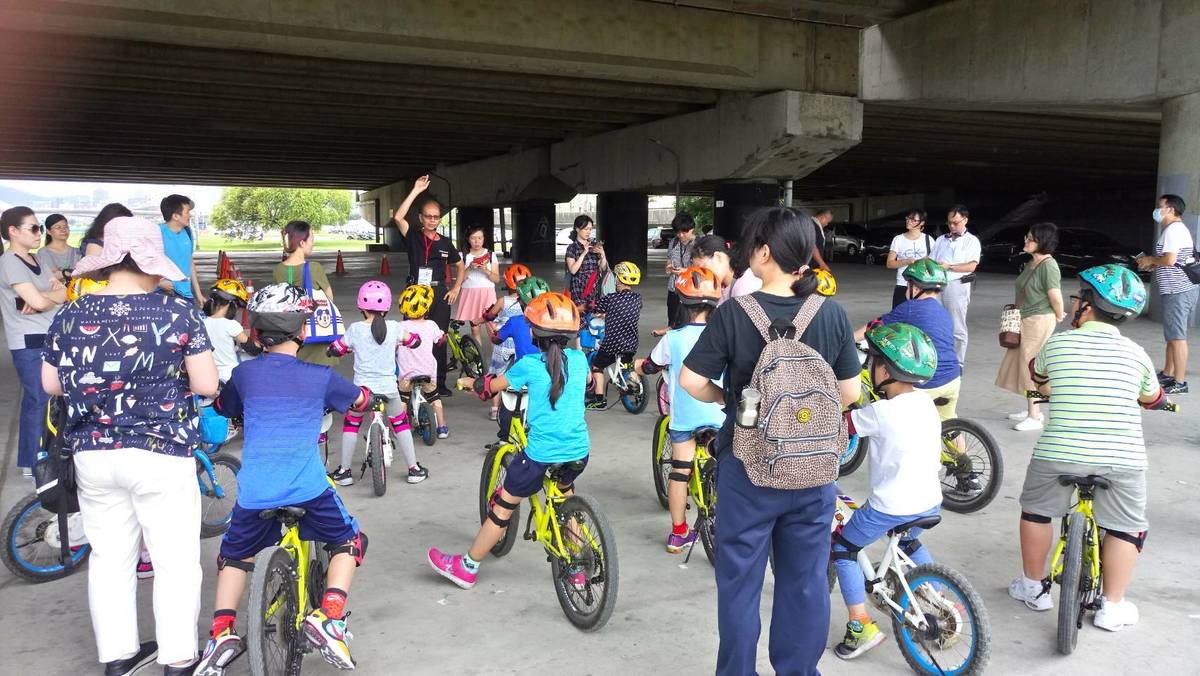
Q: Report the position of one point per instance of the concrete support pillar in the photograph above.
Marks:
(471, 217)
(733, 202)
(1178, 170)
(622, 219)
(533, 232)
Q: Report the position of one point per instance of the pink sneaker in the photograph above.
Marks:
(577, 578)
(450, 566)
(145, 569)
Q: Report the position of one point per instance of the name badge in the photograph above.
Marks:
(424, 276)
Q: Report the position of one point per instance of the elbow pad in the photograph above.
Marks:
(365, 396)
(483, 387)
(490, 314)
(1157, 403)
(649, 367)
(1037, 378)
(337, 348)
(412, 342)
(850, 423)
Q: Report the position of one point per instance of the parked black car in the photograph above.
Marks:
(1078, 249)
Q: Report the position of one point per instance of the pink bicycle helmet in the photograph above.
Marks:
(374, 296)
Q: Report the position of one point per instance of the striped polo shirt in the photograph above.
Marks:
(1096, 376)
(1171, 279)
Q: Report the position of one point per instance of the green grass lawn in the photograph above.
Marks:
(210, 242)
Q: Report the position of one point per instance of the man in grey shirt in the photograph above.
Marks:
(679, 256)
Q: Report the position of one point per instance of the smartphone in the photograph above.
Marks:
(20, 304)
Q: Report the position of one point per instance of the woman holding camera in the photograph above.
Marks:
(586, 263)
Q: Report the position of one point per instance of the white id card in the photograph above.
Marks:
(425, 276)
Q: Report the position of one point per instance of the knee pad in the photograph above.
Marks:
(680, 476)
(848, 552)
(355, 547)
(235, 563)
(352, 423)
(1136, 539)
(400, 423)
(1034, 518)
(499, 501)
(910, 546)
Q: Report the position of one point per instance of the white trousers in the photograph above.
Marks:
(125, 496)
(955, 299)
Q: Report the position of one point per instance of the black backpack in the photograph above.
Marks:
(54, 473)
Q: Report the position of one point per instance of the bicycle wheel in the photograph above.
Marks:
(664, 399)
(273, 640)
(472, 357)
(495, 467)
(972, 467)
(593, 548)
(216, 513)
(375, 460)
(706, 524)
(852, 459)
(660, 459)
(31, 543)
(957, 638)
(634, 400)
(426, 422)
(1070, 585)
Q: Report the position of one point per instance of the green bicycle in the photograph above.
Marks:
(463, 352)
(702, 485)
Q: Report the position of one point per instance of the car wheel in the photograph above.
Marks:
(852, 251)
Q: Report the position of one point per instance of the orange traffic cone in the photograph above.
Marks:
(340, 268)
(245, 312)
(385, 270)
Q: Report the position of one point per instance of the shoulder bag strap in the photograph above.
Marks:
(806, 313)
(758, 316)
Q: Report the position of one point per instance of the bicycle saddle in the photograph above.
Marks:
(941, 401)
(419, 380)
(283, 513)
(456, 324)
(1079, 480)
(557, 469)
(925, 522)
(705, 437)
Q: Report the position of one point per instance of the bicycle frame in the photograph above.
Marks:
(299, 551)
(695, 487)
(205, 463)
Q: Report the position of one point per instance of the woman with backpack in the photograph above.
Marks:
(789, 507)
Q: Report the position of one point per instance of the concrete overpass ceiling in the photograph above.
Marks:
(852, 13)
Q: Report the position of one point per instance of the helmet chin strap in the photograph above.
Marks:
(1083, 306)
(878, 387)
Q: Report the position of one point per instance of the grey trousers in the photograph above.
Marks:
(955, 299)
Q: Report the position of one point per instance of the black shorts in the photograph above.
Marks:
(524, 476)
(604, 358)
(326, 521)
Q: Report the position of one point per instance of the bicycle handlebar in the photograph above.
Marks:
(1039, 398)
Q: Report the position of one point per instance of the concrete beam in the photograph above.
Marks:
(1016, 54)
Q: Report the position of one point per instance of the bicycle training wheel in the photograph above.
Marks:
(635, 400)
(217, 512)
(972, 467)
(957, 637)
(273, 640)
(375, 460)
(426, 422)
(495, 468)
(586, 584)
(1071, 593)
(31, 545)
(660, 459)
(472, 357)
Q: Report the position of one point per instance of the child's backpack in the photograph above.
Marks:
(801, 431)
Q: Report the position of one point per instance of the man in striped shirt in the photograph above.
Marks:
(1177, 293)
(1098, 378)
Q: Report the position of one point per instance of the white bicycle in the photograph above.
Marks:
(380, 445)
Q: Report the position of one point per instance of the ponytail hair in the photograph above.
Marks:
(378, 327)
(791, 235)
(294, 234)
(556, 364)
(215, 308)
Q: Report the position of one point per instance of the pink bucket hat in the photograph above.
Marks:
(136, 237)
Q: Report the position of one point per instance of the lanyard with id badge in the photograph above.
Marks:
(425, 273)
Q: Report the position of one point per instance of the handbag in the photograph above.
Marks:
(1010, 327)
(325, 324)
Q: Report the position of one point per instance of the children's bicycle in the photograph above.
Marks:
(463, 352)
(579, 543)
(702, 484)
(972, 466)
(381, 444)
(939, 621)
(421, 412)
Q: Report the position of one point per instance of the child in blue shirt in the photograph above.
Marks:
(282, 401)
(621, 311)
(517, 330)
(699, 292)
(556, 379)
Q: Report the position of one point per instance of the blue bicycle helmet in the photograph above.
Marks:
(1117, 290)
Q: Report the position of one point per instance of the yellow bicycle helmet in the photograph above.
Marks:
(826, 284)
(82, 286)
(628, 273)
(416, 301)
(230, 291)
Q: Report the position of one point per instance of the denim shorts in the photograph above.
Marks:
(1177, 311)
(524, 476)
(326, 521)
(679, 437)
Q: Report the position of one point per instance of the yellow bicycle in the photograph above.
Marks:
(570, 527)
(702, 485)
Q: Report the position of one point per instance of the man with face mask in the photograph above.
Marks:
(958, 252)
(1177, 293)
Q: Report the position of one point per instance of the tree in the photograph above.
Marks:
(700, 209)
(247, 213)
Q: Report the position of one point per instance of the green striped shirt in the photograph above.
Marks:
(1096, 376)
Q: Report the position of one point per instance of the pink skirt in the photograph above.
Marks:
(472, 303)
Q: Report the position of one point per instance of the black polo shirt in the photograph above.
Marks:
(437, 254)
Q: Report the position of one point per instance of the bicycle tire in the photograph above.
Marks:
(472, 357)
(635, 403)
(991, 477)
(706, 524)
(28, 513)
(851, 464)
(1070, 591)
(375, 461)
(659, 468)
(601, 566)
(502, 454)
(273, 644)
(939, 576)
(427, 423)
(664, 398)
(216, 513)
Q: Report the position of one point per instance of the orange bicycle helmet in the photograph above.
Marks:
(553, 314)
(515, 273)
(416, 301)
(698, 286)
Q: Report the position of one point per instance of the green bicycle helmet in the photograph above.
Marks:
(1117, 290)
(907, 352)
(530, 288)
(927, 275)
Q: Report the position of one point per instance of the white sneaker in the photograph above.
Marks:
(1018, 416)
(1115, 616)
(1028, 425)
(1030, 594)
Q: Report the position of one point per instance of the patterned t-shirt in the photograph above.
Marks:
(579, 280)
(621, 311)
(120, 361)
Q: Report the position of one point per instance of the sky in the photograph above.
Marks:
(205, 196)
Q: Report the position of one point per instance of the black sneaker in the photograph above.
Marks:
(342, 476)
(145, 655)
(597, 404)
(444, 392)
(417, 474)
(1176, 387)
(1164, 379)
